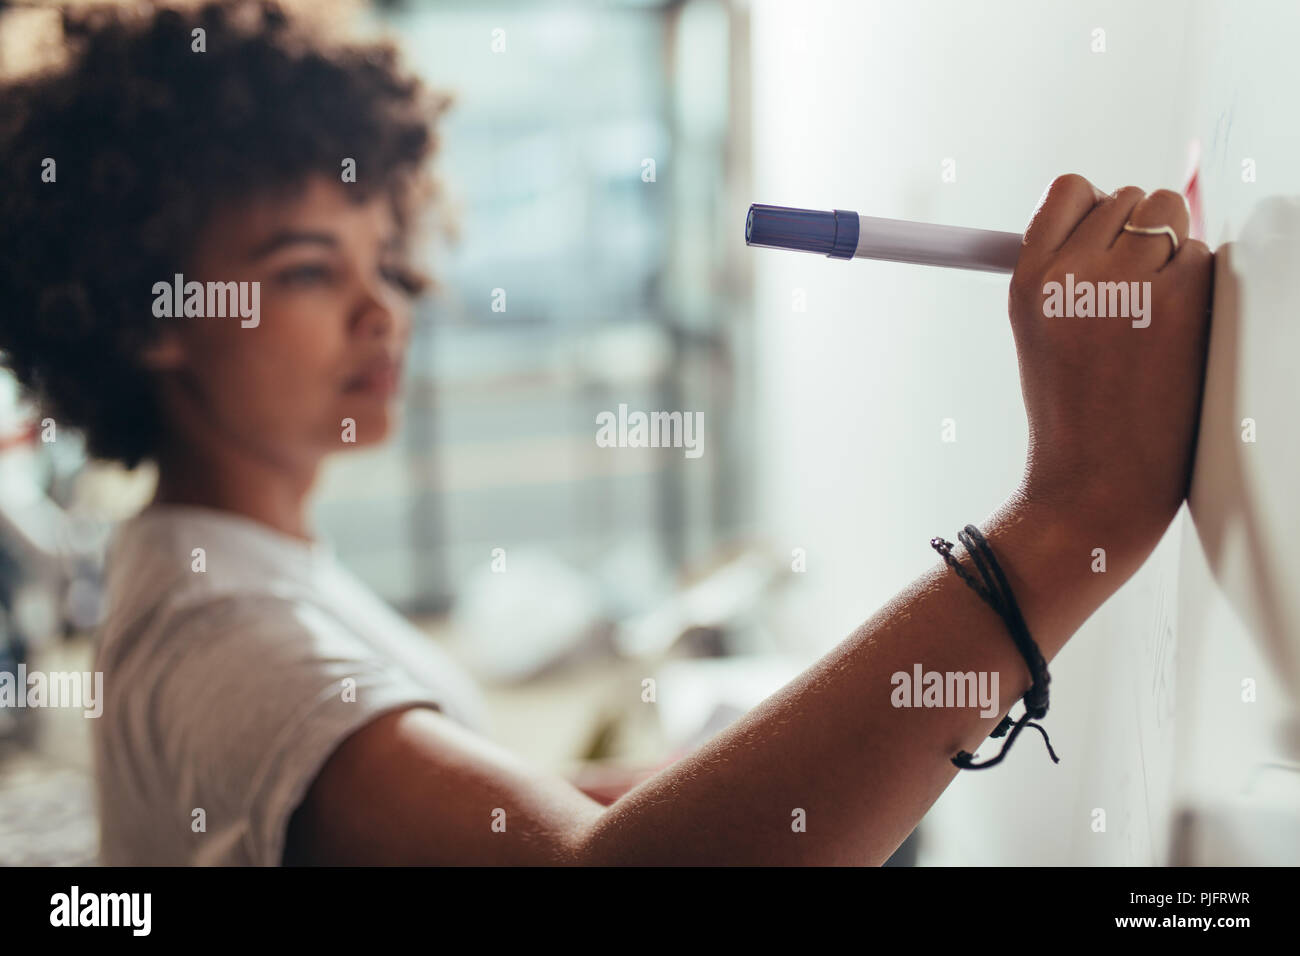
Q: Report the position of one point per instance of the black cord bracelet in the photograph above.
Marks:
(996, 592)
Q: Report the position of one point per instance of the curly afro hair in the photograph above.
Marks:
(148, 137)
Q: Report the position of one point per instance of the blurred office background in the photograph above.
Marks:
(597, 166)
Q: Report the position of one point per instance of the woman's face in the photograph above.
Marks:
(320, 368)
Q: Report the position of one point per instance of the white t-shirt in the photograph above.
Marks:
(226, 689)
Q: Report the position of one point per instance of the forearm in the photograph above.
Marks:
(831, 742)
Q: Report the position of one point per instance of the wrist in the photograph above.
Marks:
(1121, 517)
(1058, 569)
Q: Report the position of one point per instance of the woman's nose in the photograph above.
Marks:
(378, 316)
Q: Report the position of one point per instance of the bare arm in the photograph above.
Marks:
(1112, 413)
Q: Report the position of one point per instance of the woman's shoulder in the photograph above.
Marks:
(189, 588)
(170, 564)
(205, 611)
(187, 551)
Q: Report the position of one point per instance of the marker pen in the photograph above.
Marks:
(841, 234)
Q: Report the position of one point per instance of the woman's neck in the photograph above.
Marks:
(239, 481)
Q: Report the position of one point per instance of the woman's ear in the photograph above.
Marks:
(164, 353)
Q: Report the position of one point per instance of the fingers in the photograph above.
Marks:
(1192, 267)
(1062, 207)
(1153, 252)
(1107, 219)
(1192, 254)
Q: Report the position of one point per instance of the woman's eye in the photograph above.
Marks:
(307, 274)
(403, 278)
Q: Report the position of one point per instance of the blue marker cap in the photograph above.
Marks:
(808, 230)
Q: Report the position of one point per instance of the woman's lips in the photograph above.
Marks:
(380, 378)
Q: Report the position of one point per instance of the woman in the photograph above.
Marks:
(261, 706)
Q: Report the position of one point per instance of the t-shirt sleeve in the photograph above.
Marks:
(253, 698)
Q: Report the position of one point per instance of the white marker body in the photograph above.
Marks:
(955, 247)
